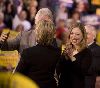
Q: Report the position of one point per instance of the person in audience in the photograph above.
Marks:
(19, 28)
(32, 9)
(9, 13)
(91, 37)
(76, 63)
(21, 18)
(2, 24)
(43, 57)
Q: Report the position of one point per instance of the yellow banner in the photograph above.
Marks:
(12, 34)
(9, 58)
(98, 11)
(98, 37)
(16, 80)
(96, 2)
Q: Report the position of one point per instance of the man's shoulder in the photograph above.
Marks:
(95, 49)
(94, 45)
(27, 32)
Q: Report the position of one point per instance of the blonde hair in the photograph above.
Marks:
(45, 31)
(83, 30)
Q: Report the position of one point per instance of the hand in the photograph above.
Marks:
(3, 37)
(68, 50)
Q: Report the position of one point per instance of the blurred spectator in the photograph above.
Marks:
(21, 6)
(2, 24)
(82, 8)
(61, 32)
(21, 19)
(2, 6)
(19, 28)
(62, 13)
(75, 16)
(9, 14)
(32, 9)
(61, 24)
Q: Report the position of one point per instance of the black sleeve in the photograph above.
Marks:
(23, 64)
(83, 62)
(61, 64)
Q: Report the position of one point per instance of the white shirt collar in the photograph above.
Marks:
(90, 43)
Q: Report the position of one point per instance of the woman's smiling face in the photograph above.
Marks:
(76, 36)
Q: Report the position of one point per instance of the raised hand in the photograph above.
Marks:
(3, 37)
(68, 50)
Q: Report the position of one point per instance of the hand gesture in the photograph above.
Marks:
(3, 37)
(68, 50)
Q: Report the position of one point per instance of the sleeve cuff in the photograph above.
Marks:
(73, 59)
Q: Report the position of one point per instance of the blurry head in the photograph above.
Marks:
(91, 33)
(64, 37)
(23, 15)
(76, 16)
(20, 28)
(77, 35)
(61, 23)
(82, 6)
(33, 7)
(33, 3)
(32, 11)
(63, 7)
(43, 14)
(45, 32)
(1, 16)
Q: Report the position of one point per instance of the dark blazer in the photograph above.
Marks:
(96, 56)
(38, 63)
(73, 73)
(95, 66)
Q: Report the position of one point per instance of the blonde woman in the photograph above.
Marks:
(75, 66)
(39, 62)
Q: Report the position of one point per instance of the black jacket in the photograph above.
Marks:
(96, 57)
(39, 64)
(73, 73)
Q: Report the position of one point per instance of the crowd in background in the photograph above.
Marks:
(22, 12)
(21, 16)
